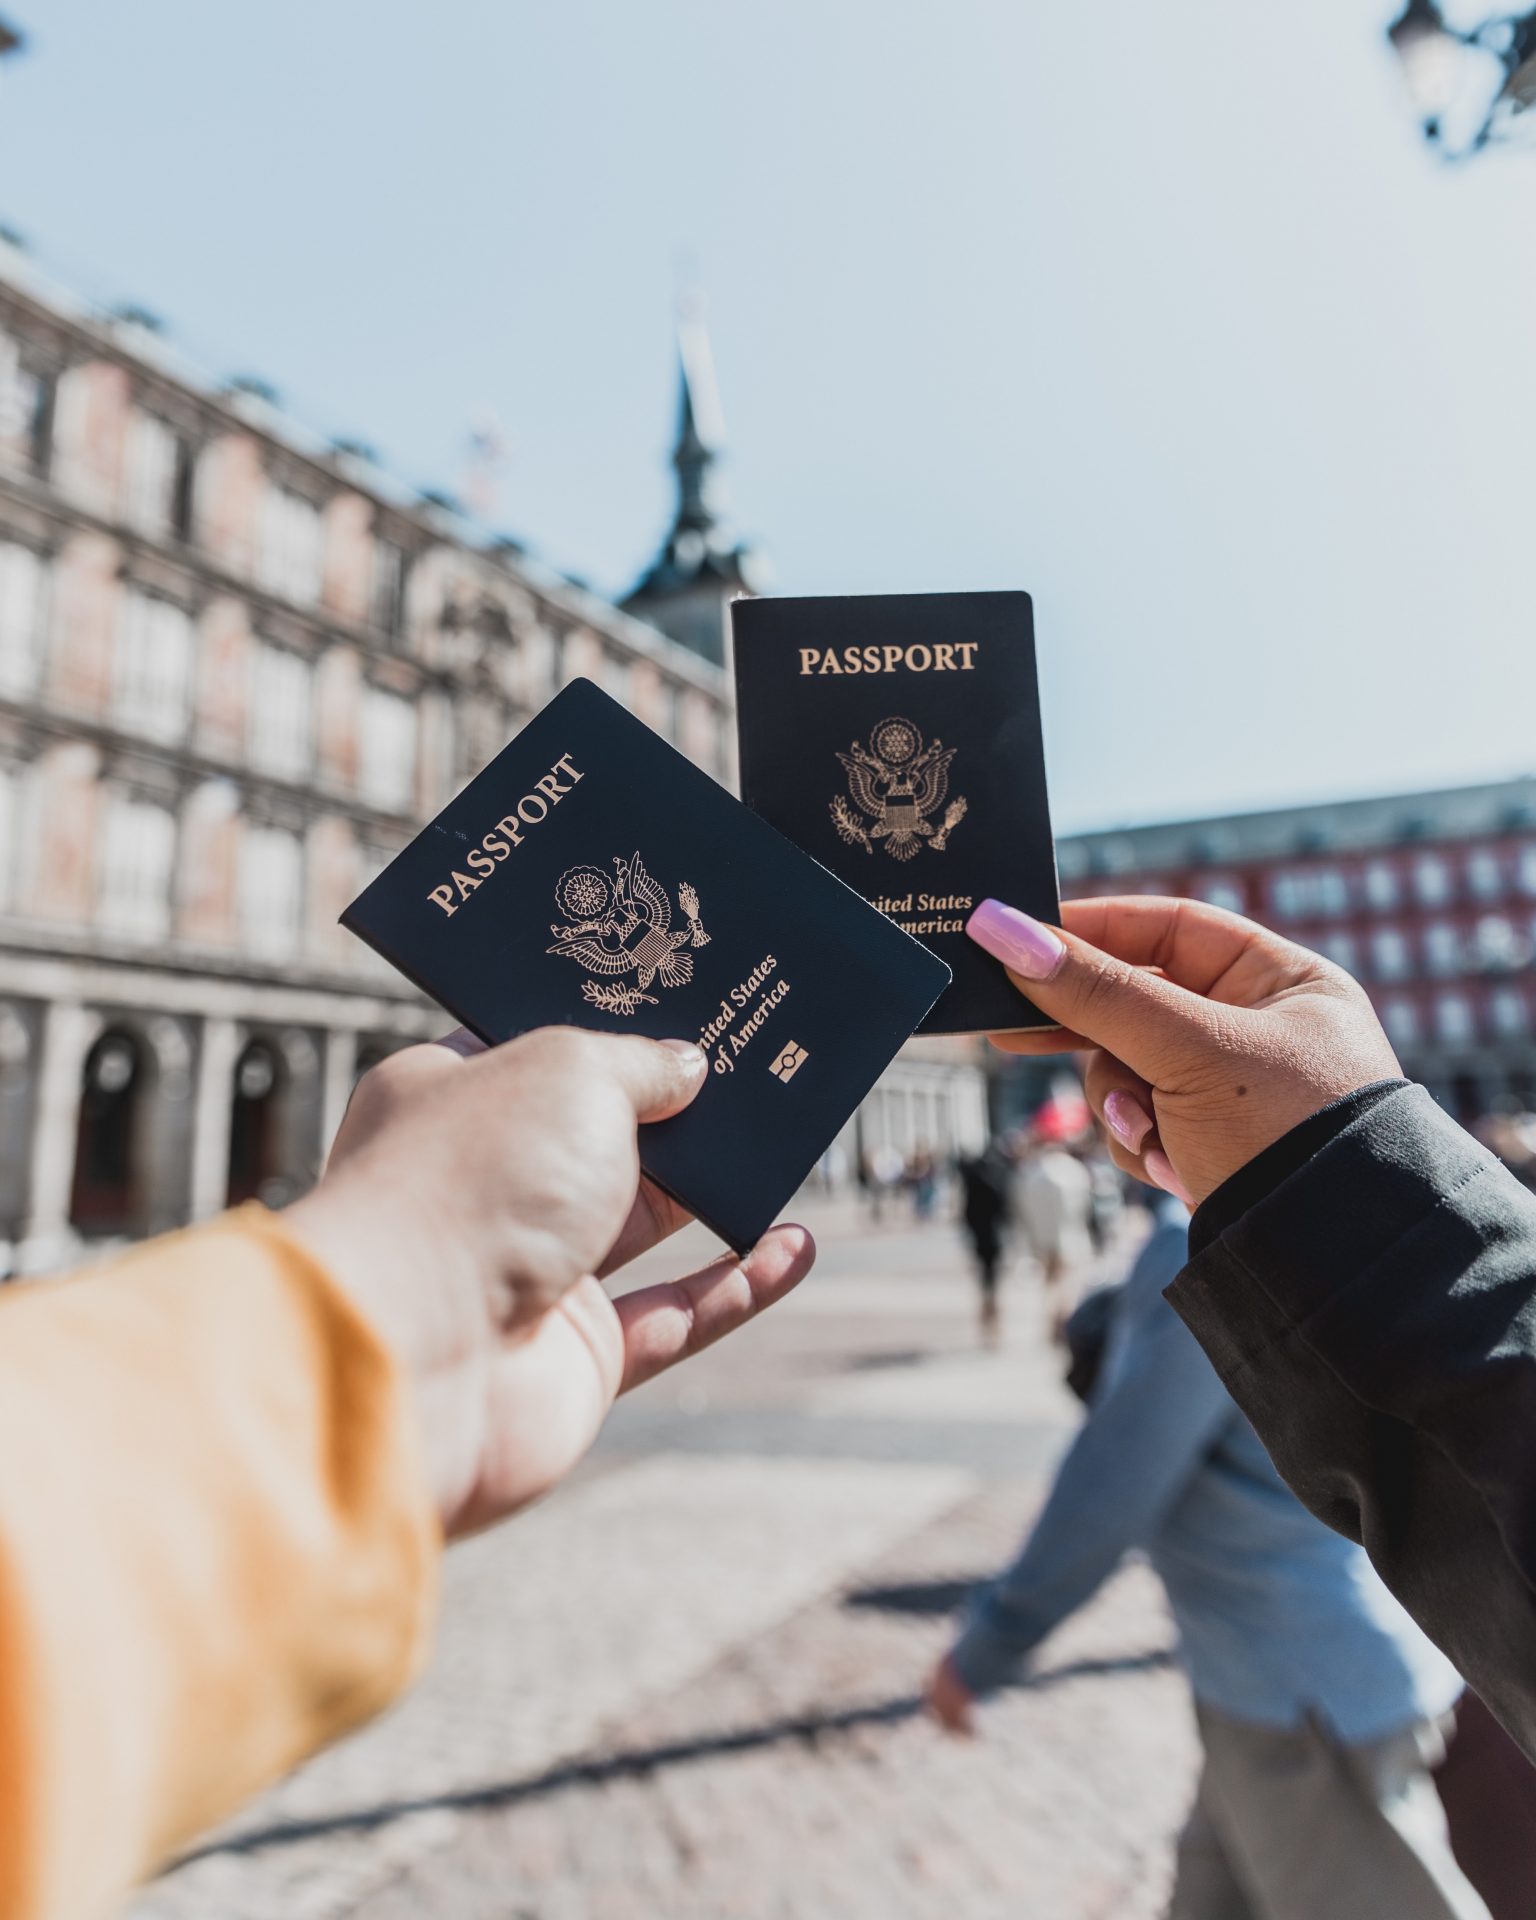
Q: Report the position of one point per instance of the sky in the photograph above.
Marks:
(1163, 313)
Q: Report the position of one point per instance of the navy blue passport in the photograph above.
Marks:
(896, 738)
(591, 876)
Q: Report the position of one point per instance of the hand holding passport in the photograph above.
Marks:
(592, 876)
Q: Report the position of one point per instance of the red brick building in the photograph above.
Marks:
(1429, 899)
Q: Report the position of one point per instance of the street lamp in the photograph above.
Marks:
(1432, 54)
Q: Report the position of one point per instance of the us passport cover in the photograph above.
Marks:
(591, 876)
(896, 738)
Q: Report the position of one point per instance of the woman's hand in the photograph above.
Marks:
(1209, 1037)
(950, 1700)
(471, 1201)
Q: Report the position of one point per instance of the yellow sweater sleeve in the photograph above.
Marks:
(217, 1550)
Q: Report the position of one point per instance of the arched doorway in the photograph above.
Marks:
(106, 1197)
(255, 1125)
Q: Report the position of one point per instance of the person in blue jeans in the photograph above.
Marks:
(1321, 1706)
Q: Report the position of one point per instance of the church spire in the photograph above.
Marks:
(702, 566)
(700, 423)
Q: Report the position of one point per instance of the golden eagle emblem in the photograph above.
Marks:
(621, 924)
(897, 782)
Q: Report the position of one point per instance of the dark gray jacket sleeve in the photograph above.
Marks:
(1374, 1315)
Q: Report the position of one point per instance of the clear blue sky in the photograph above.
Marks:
(1159, 311)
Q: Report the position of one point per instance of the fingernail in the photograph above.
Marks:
(1021, 943)
(1127, 1119)
(1160, 1169)
(691, 1056)
(462, 1042)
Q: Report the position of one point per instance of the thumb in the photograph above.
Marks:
(660, 1077)
(1141, 1017)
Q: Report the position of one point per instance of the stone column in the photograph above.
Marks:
(68, 1031)
(217, 1054)
(338, 1071)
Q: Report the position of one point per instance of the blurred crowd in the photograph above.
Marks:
(1512, 1137)
(1046, 1188)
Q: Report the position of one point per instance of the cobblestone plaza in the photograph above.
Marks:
(687, 1687)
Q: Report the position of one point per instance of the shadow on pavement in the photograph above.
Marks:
(643, 1760)
(926, 1597)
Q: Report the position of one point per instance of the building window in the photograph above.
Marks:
(1389, 954)
(1485, 874)
(26, 410)
(1453, 1020)
(1526, 869)
(672, 713)
(1222, 891)
(158, 478)
(1287, 895)
(1442, 948)
(1332, 890)
(1499, 948)
(1401, 1020)
(153, 667)
(1340, 949)
(386, 593)
(1509, 1013)
(1310, 890)
(291, 555)
(387, 756)
(1432, 880)
(138, 848)
(280, 713)
(22, 581)
(270, 891)
(1381, 886)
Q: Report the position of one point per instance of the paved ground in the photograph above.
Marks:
(686, 1687)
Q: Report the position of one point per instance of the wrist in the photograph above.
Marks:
(377, 1252)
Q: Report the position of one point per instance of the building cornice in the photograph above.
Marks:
(103, 338)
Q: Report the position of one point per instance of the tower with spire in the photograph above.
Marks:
(702, 566)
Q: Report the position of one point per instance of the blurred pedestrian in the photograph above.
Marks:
(986, 1182)
(1106, 1193)
(922, 1177)
(1322, 1709)
(887, 1169)
(1055, 1194)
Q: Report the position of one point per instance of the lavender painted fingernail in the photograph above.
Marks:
(1160, 1170)
(1024, 945)
(1127, 1119)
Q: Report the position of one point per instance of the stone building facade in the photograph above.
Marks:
(237, 669)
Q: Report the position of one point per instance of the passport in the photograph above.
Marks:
(591, 876)
(896, 738)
